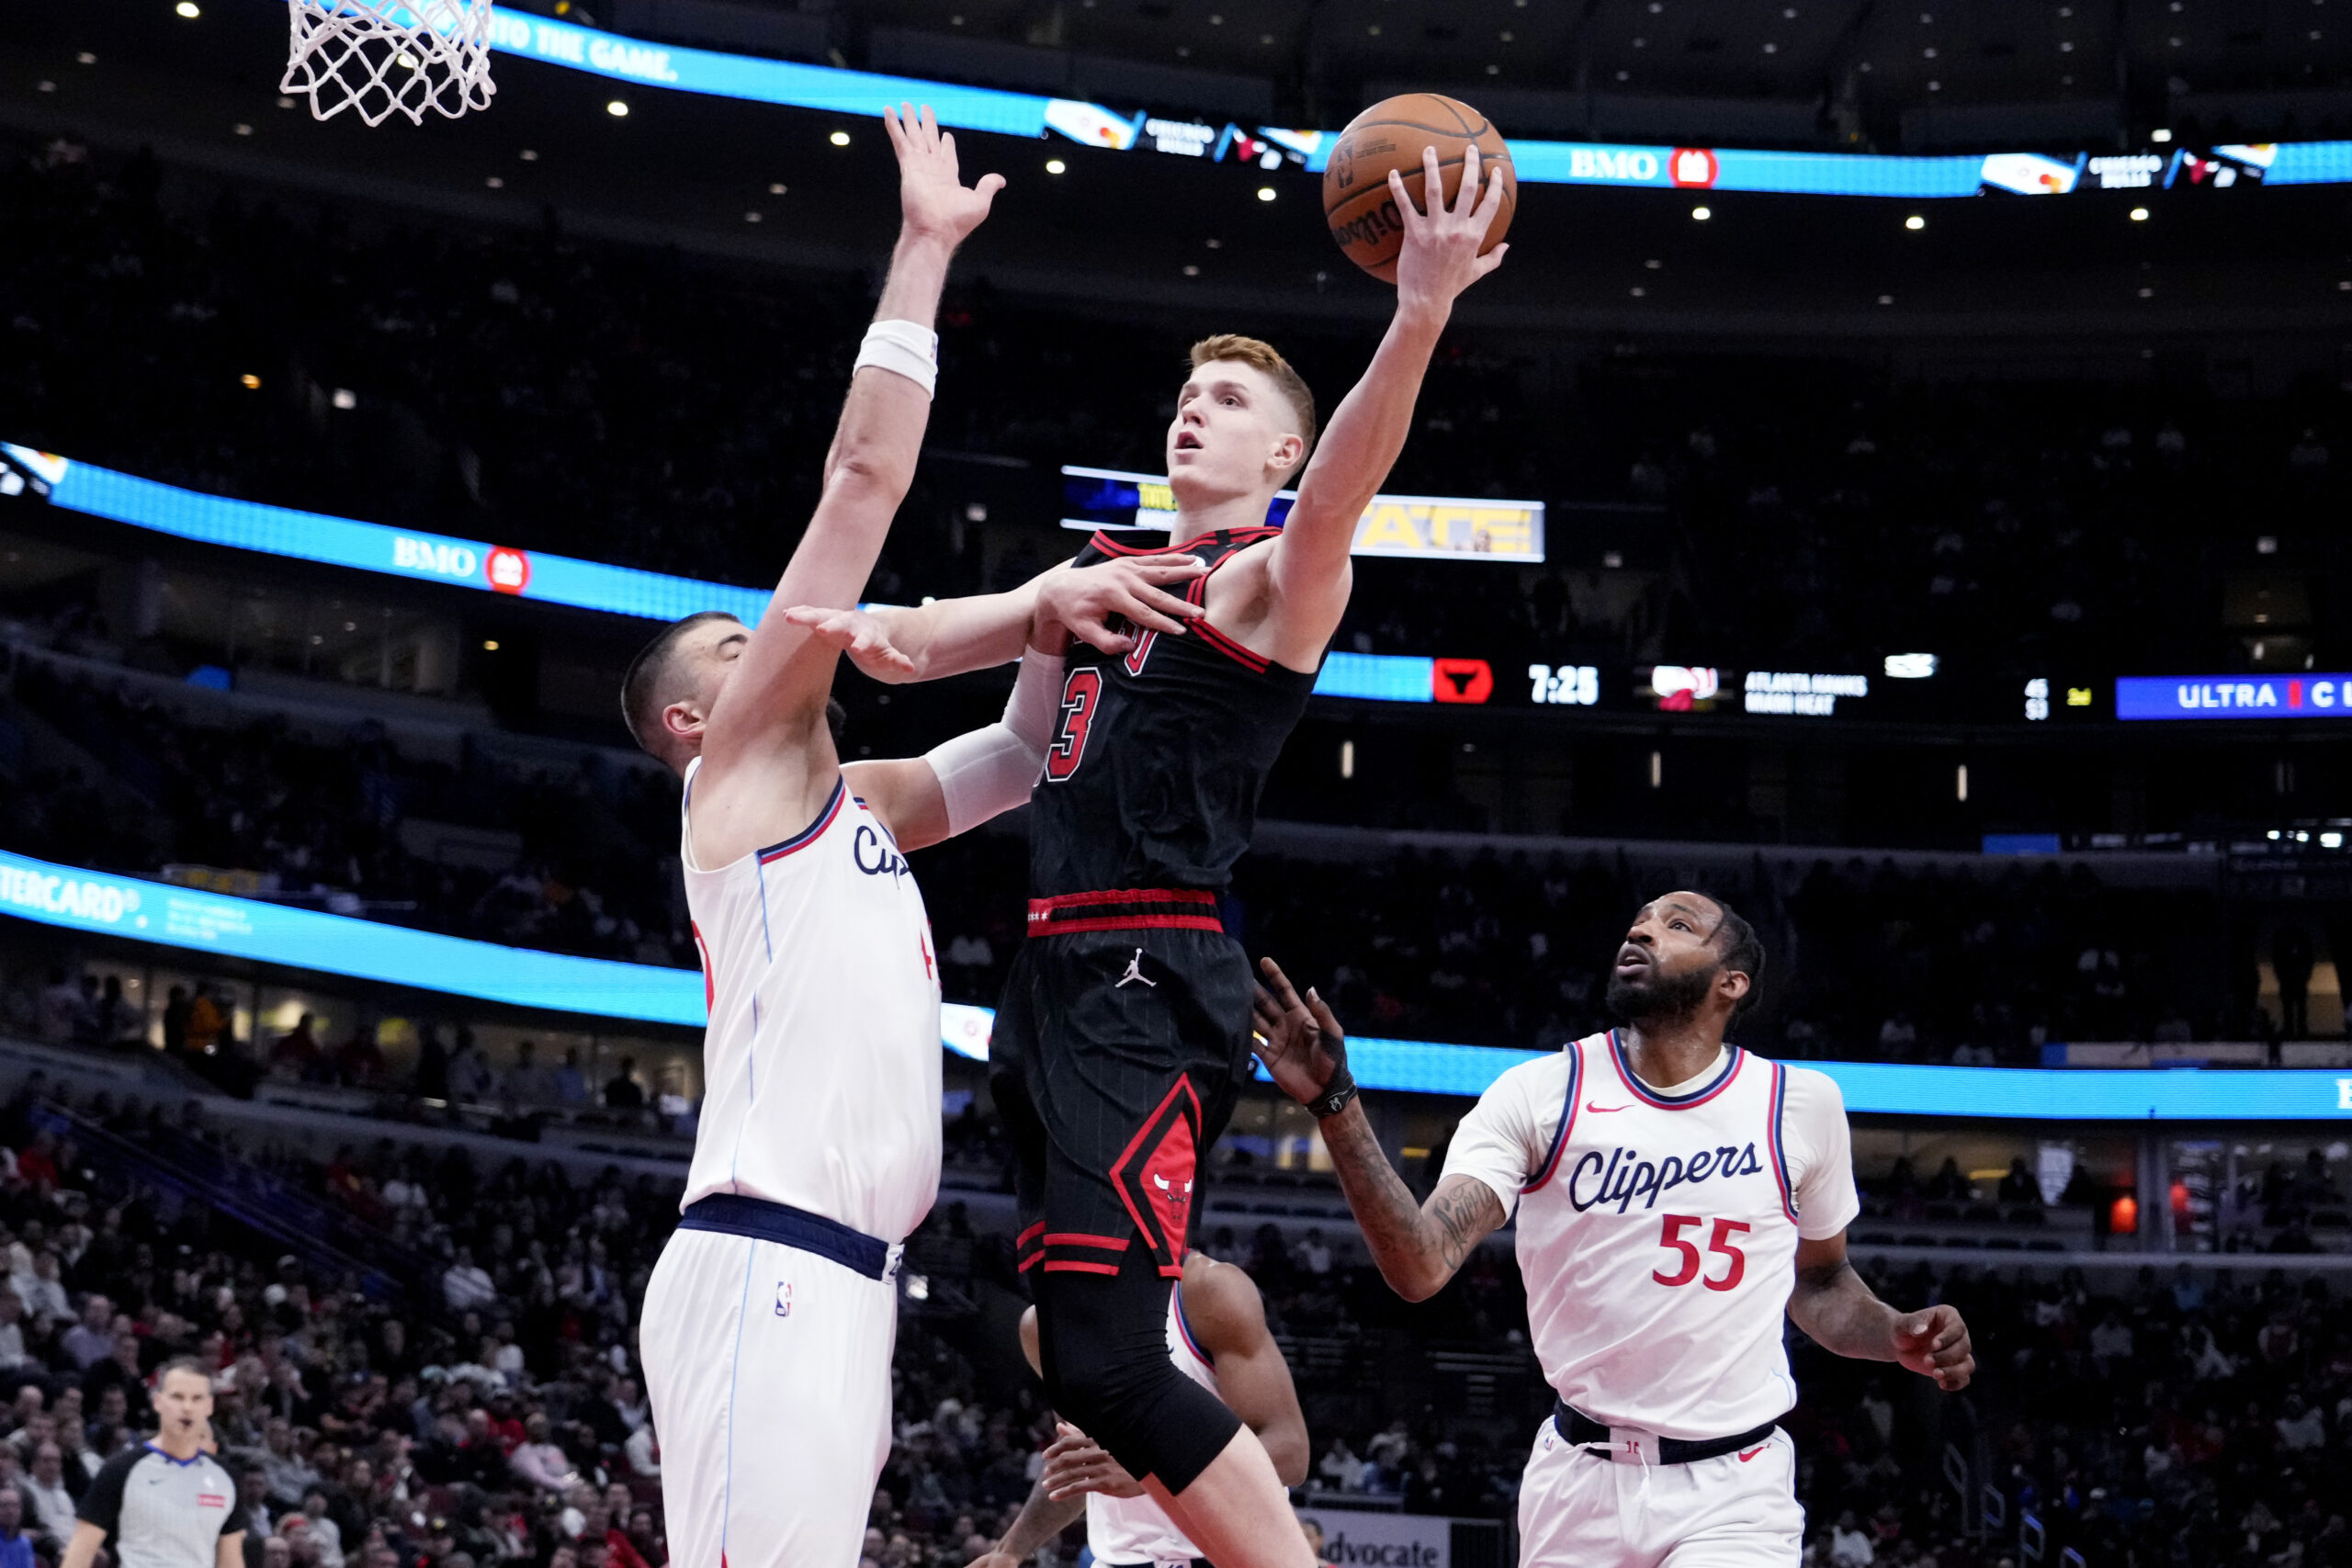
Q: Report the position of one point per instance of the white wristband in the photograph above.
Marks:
(903, 348)
(985, 772)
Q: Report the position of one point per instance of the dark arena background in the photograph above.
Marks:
(1902, 481)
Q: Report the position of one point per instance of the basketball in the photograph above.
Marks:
(1391, 134)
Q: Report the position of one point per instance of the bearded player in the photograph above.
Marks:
(769, 1321)
(1124, 1032)
(1676, 1196)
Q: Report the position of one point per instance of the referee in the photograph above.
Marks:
(165, 1503)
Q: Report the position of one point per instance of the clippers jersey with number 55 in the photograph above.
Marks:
(1153, 777)
(820, 1065)
(1658, 1232)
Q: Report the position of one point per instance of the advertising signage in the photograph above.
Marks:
(1420, 528)
(837, 90)
(2233, 696)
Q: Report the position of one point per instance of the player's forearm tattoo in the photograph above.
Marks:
(1837, 1308)
(1407, 1243)
(1462, 1218)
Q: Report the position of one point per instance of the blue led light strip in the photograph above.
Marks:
(865, 94)
(196, 921)
(525, 574)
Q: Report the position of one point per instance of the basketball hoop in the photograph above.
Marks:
(378, 57)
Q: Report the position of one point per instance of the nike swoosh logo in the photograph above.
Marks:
(1604, 1110)
(1753, 1452)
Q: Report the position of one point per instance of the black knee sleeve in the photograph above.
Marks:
(1103, 1342)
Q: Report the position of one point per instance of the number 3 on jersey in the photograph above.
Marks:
(1079, 694)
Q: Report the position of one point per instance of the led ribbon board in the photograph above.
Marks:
(2233, 696)
(865, 94)
(214, 923)
(551, 578)
(369, 547)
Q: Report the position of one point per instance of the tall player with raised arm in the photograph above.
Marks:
(1124, 1032)
(1676, 1195)
(769, 1322)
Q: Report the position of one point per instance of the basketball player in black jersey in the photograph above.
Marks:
(1124, 1028)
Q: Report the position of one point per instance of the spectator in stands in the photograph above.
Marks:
(11, 1330)
(360, 1060)
(2292, 961)
(624, 1092)
(470, 1079)
(527, 1083)
(295, 1054)
(539, 1462)
(177, 1008)
(2020, 1186)
(91, 1339)
(208, 1022)
(52, 1500)
(571, 1084)
(17, 1546)
(466, 1286)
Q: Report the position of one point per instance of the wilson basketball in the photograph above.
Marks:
(1357, 202)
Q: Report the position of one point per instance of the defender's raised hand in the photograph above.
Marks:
(1300, 1041)
(858, 634)
(934, 201)
(1084, 600)
(1440, 255)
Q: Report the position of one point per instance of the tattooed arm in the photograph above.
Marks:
(1417, 1245)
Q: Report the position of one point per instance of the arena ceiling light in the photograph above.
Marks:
(2138, 215)
(1265, 193)
(1915, 222)
(1700, 214)
(617, 109)
(189, 9)
(1056, 166)
(839, 138)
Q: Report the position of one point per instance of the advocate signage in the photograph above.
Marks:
(2233, 696)
(1382, 1540)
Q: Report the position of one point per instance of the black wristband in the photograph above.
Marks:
(1337, 1093)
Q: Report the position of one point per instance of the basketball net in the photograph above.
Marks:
(380, 57)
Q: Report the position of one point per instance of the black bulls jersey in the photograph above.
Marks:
(1153, 777)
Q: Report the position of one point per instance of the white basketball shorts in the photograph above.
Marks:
(1579, 1509)
(768, 1371)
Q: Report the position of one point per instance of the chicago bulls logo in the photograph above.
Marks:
(1155, 1174)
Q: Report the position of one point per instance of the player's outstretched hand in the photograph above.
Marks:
(1075, 1464)
(1441, 257)
(1933, 1344)
(1082, 601)
(858, 635)
(1300, 1041)
(932, 198)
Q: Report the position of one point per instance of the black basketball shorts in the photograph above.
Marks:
(1117, 1054)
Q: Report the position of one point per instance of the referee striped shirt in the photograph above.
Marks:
(161, 1512)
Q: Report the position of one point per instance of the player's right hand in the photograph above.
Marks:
(1441, 257)
(1075, 1464)
(858, 633)
(1300, 1042)
(1082, 601)
(932, 198)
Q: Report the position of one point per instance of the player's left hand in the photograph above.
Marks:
(1441, 257)
(1300, 1041)
(932, 198)
(1076, 1464)
(1084, 600)
(858, 635)
(1933, 1344)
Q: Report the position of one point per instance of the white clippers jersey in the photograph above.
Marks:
(820, 1065)
(1130, 1531)
(1658, 1234)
